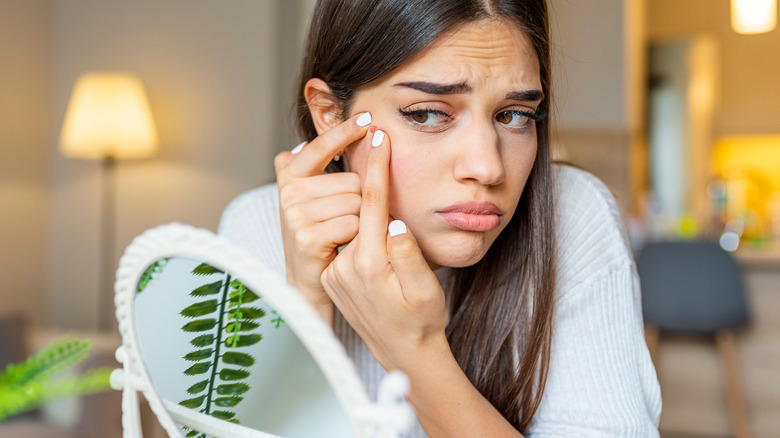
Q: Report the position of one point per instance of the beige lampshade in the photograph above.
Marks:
(108, 116)
(753, 16)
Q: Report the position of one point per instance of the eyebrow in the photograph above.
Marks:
(463, 87)
(433, 88)
(525, 96)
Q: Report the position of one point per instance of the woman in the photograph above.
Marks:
(440, 240)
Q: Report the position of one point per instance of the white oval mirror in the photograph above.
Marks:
(221, 346)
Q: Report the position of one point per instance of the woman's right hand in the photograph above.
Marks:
(319, 212)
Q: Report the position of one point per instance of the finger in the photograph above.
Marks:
(319, 186)
(283, 158)
(316, 155)
(374, 207)
(323, 209)
(337, 231)
(418, 283)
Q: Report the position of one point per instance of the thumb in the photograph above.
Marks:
(418, 283)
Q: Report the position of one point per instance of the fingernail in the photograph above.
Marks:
(298, 148)
(379, 136)
(396, 227)
(364, 119)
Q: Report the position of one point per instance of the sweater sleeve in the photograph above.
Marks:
(601, 380)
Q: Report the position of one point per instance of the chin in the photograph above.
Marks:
(456, 254)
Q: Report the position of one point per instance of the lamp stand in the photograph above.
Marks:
(106, 320)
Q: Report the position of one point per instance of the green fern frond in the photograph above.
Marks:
(244, 340)
(151, 273)
(198, 387)
(223, 415)
(203, 340)
(199, 325)
(233, 324)
(232, 389)
(241, 326)
(200, 309)
(198, 368)
(206, 269)
(227, 402)
(207, 289)
(199, 355)
(229, 374)
(235, 358)
(193, 403)
(33, 392)
(61, 354)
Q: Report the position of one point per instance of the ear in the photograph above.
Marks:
(322, 105)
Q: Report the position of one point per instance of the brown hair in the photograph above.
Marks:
(500, 326)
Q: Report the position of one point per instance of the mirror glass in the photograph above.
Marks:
(211, 344)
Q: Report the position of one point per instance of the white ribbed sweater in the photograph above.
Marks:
(601, 380)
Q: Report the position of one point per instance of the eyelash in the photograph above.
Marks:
(409, 113)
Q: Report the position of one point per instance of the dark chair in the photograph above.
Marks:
(696, 288)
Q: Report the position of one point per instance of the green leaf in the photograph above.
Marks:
(199, 309)
(228, 402)
(207, 289)
(247, 313)
(223, 415)
(202, 341)
(248, 297)
(199, 325)
(232, 389)
(277, 321)
(61, 354)
(242, 326)
(198, 355)
(193, 403)
(235, 358)
(151, 273)
(233, 374)
(206, 269)
(243, 340)
(192, 434)
(198, 368)
(198, 387)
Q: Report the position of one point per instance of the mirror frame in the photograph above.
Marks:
(389, 417)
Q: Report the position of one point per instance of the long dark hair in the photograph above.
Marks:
(500, 326)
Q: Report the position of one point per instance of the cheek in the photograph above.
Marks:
(412, 171)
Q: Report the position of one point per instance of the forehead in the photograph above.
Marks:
(484, 51)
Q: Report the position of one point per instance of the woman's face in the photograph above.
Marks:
(460, 122)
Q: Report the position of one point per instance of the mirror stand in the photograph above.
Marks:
(273, 364)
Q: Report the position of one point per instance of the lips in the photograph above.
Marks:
(472, 216)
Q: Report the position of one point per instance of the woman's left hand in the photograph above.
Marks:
(382, 284)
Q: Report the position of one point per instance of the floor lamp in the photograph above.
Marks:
(107, 119)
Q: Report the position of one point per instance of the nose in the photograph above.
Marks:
(479, 156)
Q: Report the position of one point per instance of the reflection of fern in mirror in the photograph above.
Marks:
(223, 323)
(151, 273)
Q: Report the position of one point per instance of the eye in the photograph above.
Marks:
(425, 117)
(515, 118)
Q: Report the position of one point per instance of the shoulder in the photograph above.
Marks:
(255, 201)
(251, 221)
(590, 237)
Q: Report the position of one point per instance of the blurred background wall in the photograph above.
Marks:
(219, 78)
